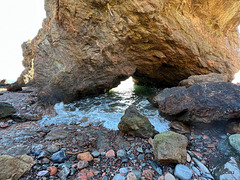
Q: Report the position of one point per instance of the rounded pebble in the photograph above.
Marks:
(110, 154)
(118, 177)
(123, 170)
(95, 153)
(182, 172)
(121, 153)
(140, 157)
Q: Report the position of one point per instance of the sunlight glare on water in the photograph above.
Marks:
(108, 108)
(236, 78)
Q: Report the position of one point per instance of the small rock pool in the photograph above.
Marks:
(107, 109)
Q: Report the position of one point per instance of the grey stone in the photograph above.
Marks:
(63, 174)
(123, 170)
(132, 156)
(140, 157)
(105, 178)
(82, 164)
(131, 176)
(139, 149)
(42, 154)
(156, 167)
(95, 153)
(118, 177)
(234, 141)
(52, 148)
(59, 157)
(196, 170)
(169, 176)
(121, 153)
(125, 160)
(182, 172)
(137, 173)
(201, 166)
(43, 173)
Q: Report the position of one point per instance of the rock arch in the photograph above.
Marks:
(88, 46)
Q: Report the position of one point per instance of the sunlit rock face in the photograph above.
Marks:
(88, 46)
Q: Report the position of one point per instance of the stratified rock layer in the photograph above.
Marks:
(87, 46)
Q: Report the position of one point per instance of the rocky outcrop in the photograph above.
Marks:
(201, 103)
(212, 77)
(3, 83)
(26, 76)
(88, 46)
(135, 124)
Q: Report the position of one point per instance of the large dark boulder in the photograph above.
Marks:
(201, 103)
(6, 109)
(14, 87)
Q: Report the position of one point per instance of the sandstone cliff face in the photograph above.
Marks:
(88, 46)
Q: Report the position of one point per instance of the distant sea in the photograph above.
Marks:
(11, 81)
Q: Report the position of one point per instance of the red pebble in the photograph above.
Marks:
(110, 154)
(52, 170)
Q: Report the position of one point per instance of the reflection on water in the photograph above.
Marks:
(108, 108)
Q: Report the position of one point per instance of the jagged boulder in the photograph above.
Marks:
(228, 170)
(14, 167)
(87, 47)
(135, 124)
(6, 109)
(202, 103)
(170, 147)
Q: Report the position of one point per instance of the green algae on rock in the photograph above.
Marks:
(170, 147)
(135, 124)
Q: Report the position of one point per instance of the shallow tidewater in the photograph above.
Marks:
(108, 108)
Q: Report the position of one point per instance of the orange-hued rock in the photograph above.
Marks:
(85, 156)
(88, 46)
(52, 170)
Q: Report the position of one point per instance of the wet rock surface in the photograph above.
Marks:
(201, 103)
